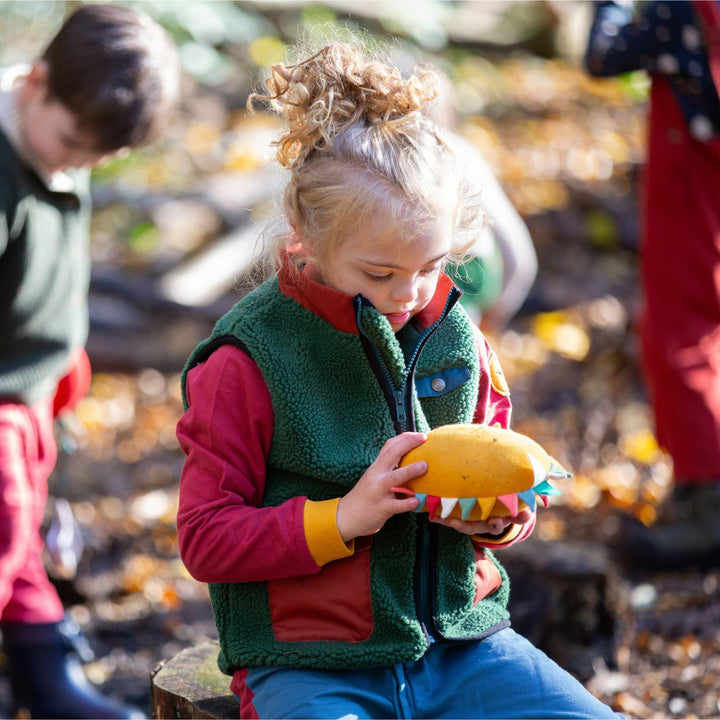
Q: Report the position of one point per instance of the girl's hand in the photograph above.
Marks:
(366, 508)
(491, 526)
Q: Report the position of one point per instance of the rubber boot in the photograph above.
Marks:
(46, 675)
(686, 534)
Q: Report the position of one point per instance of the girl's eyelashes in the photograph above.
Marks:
(377, 278)
(431, 270)
(374, 277)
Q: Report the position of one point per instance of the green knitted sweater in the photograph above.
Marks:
(44, 278)
(333, 396)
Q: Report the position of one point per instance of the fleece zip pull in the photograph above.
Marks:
(399, 399)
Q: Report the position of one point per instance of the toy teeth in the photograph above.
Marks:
(478, 471)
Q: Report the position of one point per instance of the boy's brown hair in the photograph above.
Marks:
(116, 70)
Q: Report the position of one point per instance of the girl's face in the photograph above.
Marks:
(398, 277)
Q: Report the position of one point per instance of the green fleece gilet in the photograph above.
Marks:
(331, 420)
(44, 278)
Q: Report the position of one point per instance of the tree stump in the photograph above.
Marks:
(190, 685)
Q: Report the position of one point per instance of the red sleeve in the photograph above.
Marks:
(74, 386)
(226, 433)
(493, 405)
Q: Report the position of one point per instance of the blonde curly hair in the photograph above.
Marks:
(361, 149)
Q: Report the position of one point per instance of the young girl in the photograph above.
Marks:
(333, 598)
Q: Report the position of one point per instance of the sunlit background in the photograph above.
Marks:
(175, 242)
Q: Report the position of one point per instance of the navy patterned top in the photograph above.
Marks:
(665, 38)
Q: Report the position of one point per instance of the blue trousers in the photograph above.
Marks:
(502, 676)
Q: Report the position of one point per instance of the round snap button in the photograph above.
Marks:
(438, 384)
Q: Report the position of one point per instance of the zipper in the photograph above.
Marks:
(400, 407)
(423, 607)
(400, 403)
(399, 399)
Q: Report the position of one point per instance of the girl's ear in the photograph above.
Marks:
(295, 244)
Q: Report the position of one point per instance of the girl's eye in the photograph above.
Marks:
(432, 270)
(377, 278)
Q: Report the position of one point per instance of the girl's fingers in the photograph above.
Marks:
(397, 447)
(402, 474)
(523, 516)
(402, 490)
(496, 525)
(408, 503)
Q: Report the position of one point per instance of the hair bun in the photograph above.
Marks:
(336, 88)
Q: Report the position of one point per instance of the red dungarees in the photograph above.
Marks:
(680, 323)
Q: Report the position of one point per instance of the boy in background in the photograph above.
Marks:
(106, 83)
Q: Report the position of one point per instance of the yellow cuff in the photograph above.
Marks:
(511, 533)
(321, 532)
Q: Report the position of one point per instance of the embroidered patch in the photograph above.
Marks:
(497, 376)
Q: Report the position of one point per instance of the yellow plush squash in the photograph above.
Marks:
(478, 471)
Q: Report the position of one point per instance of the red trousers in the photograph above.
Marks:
(680, 270)
(27, 457)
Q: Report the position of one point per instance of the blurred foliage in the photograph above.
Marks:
(541, 122)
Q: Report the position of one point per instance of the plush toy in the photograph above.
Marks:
(478, 471)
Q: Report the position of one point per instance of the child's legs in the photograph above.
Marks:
(267, 692)
(27, 456)
(680, 323)
(502, 676)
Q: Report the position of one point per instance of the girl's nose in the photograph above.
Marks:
(405, 291)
